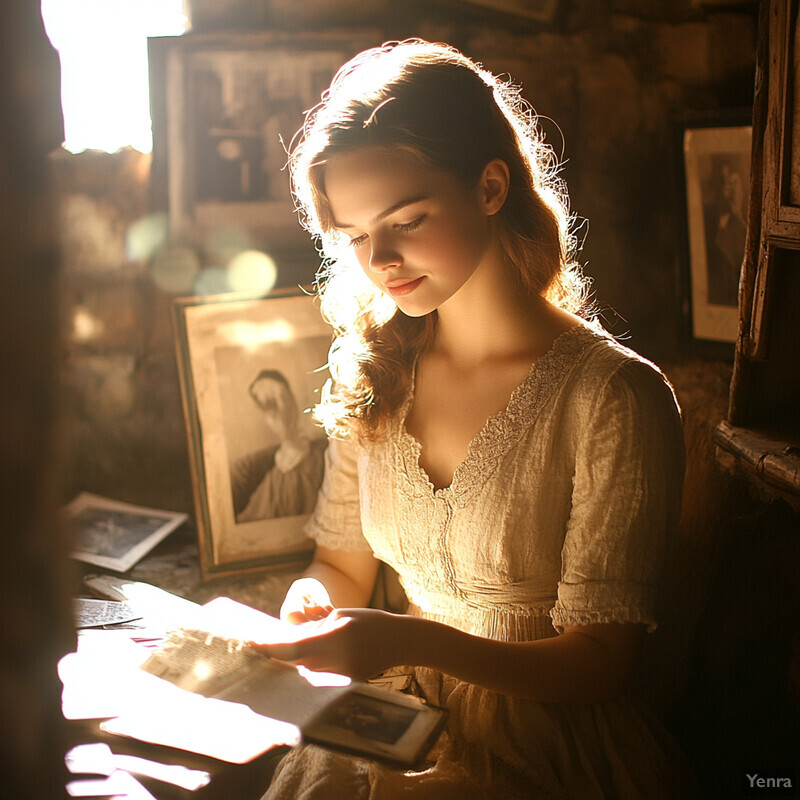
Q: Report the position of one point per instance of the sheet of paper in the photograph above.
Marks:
(156, 606)
(88, 612)
(226, 617)
(98, 759)
(119, 785)
(237, 621)
(102, 678)
(280, 691)
(227, 731)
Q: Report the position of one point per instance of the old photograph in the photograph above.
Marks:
(251, 371)
(717, 171)
(116, 535)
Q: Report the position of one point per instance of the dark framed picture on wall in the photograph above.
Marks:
(716, 165)
(250, 369)
(225, 109)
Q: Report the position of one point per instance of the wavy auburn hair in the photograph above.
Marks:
(435, 104)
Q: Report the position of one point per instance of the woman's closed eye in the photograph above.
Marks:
(405, 227)
(358, 241)
(408, 227)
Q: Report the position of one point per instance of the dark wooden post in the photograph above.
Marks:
(34, 597)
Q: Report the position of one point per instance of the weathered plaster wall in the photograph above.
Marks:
(123, 409)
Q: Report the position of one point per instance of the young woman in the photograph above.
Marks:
(517, 467)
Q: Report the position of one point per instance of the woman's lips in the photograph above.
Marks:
(400, 288)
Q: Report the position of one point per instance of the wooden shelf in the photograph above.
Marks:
(761, 437)
(769, 456)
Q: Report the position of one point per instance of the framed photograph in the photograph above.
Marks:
(716, 160)
(250, 370)
(115, 535)
(225, 109)
(388, 726)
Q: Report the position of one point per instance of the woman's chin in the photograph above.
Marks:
(414, 307)
(415, 312)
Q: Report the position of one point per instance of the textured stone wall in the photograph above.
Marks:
(121, 393)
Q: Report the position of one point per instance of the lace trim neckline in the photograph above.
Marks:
(503, 429)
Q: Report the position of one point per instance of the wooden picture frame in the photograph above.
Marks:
(716, 168)
(225, 108)
(249, 369)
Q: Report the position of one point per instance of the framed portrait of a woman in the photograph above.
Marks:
(251, 369)
(717, 178)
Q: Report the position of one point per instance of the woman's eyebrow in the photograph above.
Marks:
(396, 207)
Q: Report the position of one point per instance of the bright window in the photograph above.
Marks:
(104, 77)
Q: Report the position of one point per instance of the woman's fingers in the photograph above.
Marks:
(353, 642)
(316, 612)
(307, 600)
(283, 652)
(307, 614)
(308, 653)
(320, 645)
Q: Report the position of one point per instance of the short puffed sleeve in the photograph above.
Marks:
(336, 520)
(626, 501)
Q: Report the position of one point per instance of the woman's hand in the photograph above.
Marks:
(357, 642)
(306, 601)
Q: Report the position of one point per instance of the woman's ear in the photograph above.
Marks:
(493, 185)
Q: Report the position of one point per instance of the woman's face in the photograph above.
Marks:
(418, 234)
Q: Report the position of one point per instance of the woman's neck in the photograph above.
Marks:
(489, 319)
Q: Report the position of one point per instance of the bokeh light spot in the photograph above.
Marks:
(85, 327)
(252, 271)
(174, 269)
(213, 280)
(224, 243)
(146, 236)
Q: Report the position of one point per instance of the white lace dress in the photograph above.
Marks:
(559, 515)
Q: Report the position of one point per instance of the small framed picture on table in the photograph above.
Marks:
(116, 535)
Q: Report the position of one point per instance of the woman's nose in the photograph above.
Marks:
(382, 255)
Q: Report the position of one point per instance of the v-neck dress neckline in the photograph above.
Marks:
(501, 430)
